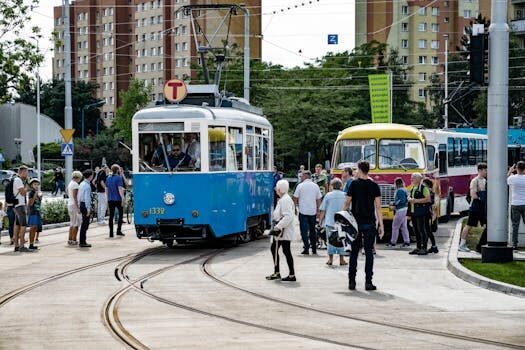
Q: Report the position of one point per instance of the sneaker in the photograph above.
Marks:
(414, 252)
(305, 252)
(434, 249)
(33, 247)
(290, 278)
(406, 245)
(273, 276)
(351, 285)
(370, 286)
(69, 242)
(17, 249)
(120, 234)
(12, 242)
(389, 244)
(374, 251)
(24, 250)
(463, 248)
(74, 242)
(85, 245)
(422, 252)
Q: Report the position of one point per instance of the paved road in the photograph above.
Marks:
(416, 295)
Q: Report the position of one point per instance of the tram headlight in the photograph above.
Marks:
(169, 198)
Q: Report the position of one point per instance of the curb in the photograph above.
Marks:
(467, 275)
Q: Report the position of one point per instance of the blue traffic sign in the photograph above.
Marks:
(333, 39)
(67, 149)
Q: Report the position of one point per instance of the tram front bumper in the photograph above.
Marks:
(170, 230)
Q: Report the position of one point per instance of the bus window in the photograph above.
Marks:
(234, 160)
(451, 152)
(431, 157)
(471, 152)
(464, 151)
(249, 152)
(443, 158)
(167, 150)
(401, 154)
(217, 148)
(349, 152)
(484, 153)
(457, 152)
(479, 151)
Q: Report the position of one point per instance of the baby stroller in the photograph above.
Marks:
(345, 230)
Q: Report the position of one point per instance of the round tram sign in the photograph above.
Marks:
(175, 90)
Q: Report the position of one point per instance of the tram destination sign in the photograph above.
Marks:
(175, 90)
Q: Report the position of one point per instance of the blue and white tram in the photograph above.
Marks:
(221, 185)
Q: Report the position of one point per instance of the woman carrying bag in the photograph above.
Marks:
(283, 232)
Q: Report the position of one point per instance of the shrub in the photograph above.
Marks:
(55, 212)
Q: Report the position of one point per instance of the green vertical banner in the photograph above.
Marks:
(379, 85)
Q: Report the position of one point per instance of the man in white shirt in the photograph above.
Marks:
(20, 191)
(307, 198)
(517, 201)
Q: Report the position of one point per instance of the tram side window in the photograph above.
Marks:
(479, 151)
(234, 149)
(451, 154)
(217, 148)
(266, 149)
(443, 159)
(471, 152)
(258, 153)
(168, 151)
(249, 152)
(457, 152)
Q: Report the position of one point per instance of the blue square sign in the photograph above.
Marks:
(333, 39)
(67, 149)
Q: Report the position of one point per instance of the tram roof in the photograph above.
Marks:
(182, 112)
(380, 130)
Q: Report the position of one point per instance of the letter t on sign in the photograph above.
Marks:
(175, 90)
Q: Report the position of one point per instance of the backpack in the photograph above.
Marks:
(10, 197)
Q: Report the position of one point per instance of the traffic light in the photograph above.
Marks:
(477, 58)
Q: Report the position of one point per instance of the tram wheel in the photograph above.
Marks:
(245, 237)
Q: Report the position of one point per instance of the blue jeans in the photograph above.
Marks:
(11, 218)
(307, 226)
(367, 234)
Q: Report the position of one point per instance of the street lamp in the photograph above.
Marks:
(38, 150)
(446, 81)
(96, 104)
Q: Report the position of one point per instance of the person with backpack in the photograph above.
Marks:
(400, 206)
(102, 199)
(478, 205)
(17, 197)
(419, 199)
(431, 219)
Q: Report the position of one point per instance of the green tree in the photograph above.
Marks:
(103, 146)
(18, 56)
(52, 103)
(137, 96)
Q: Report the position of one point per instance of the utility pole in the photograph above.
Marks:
(446, 82)
(68, 110)
(38, 149)
(246, 53)
(498, 100)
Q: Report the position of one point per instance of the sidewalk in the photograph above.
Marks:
(460, 271)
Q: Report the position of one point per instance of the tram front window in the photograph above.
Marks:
(401, 154)
(350, 152)
(169, 151)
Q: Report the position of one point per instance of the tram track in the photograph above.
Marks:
(206, 270)
(111, 308)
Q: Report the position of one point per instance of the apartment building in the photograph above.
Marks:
(114, 41)
(417, 29)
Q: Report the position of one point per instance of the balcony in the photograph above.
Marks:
(518, 26)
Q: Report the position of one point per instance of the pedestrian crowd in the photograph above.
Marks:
(318, 197)
(23, 202)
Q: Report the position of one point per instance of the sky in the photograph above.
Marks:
(290, 37)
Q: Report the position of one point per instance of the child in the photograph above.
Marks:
(2, 216)
(34, 221)
(400, 206)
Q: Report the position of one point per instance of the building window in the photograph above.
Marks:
(446, 20)
(404, 43)
(177, 63)
(177, 31)
(404, 59)
(422, 76)
(422, 11)
(445, 3)
(422, 27)
(422, 59)
(404, 27)
(144, 67)
(434, 44)
(435, 11)
(186, 62)
(404, 10)
(435, 27)
(183, 29)
(422, 43)
(153, 51)
(152, 67)
(111, 100)
(160, 65)
(435, 60)
(421, 93)
(466, 14)
(177, 47)
(404, 76)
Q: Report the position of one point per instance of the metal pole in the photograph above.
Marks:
(498, 91)
(83, 109)
(246, 54)
(446, 82)
(38, 148)
(391, 96)
(68, 110)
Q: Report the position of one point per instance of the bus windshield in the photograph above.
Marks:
(401, 154)
(351, 151)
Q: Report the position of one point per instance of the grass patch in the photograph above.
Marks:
(511, 272)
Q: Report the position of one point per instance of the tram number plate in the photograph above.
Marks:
(156, 211)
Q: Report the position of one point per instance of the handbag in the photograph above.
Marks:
(335, 240)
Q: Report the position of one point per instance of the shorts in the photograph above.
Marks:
(34, 220)
(75, 218)
(475, 217)
(20, 216)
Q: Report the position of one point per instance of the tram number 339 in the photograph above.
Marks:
(156, 211)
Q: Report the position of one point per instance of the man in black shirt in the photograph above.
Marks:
(365, 197)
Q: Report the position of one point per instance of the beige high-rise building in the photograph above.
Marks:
(417, 29)
(113, 41)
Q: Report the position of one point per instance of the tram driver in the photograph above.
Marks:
(178, 159)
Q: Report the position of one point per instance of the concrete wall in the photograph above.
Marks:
(19, 121)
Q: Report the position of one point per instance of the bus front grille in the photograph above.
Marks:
(387, 194)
